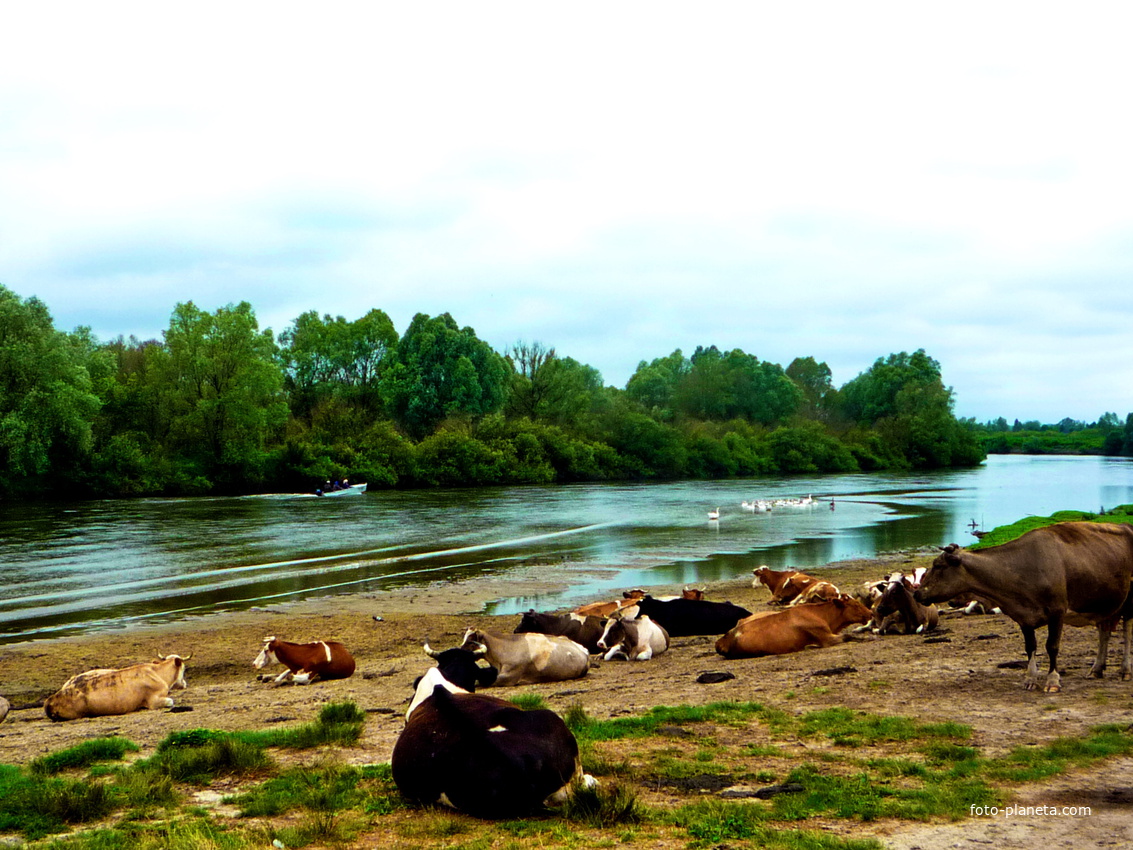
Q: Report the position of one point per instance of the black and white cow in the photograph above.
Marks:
(685, 617)
(481, 755)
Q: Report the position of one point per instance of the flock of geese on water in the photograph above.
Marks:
(763, 505)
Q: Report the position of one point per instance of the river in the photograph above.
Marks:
(106, 564)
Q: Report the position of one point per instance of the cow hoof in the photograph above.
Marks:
(1053, 689)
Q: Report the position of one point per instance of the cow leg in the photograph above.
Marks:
(1031, 645)
(1053, 641)
(1127, 628)
(282, 677)
(303, 678)
(644, 655)
(1097, 670)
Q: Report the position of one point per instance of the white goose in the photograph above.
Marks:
(714, 515)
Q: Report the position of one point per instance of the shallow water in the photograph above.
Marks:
(72, 567)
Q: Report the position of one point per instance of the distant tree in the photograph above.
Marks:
(549, 388)
(223, 390)
(442, 371)
(872, 395)
(719, 387)
(47, 401)
(654, 383)
(814, 379)
(328, 357)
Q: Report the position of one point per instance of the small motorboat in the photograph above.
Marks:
(349, 490)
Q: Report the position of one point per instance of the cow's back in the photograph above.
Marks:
(98, 693)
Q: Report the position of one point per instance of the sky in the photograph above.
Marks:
(615, 180)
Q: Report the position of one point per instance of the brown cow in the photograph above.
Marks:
(306, 662)
(793, 629)
(897, 607)
(97, 693)
(1075, 573)
(815, 591)
(784, 585)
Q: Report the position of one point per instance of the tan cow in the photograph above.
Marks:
(96, 693)
(793, 629)
(4, 706)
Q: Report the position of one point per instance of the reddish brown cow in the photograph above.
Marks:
(816, 591)
(1075, 573)
(306, 662)
(793, 629)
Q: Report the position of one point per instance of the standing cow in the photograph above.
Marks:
(306, 662)
(97, 693)
(1075, 573)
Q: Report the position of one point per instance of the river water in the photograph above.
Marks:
(105, 564)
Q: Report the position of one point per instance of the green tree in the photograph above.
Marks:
(548, 388)
(653, 384)
(720, 387)
(47, 402)
(442, 371)
(329, 357)
(223, 391)
(815, 381)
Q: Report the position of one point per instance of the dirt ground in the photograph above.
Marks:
(953, 675)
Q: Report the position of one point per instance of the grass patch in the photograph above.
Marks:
(716, 823)
(528, 702)
(849, 728)
(338, 723)
(83, 755)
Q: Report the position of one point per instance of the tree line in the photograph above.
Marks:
(220, 405)
(1107, 436)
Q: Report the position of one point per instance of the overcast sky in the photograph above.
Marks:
(616, 180)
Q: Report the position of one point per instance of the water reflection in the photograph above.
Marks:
(70, 567)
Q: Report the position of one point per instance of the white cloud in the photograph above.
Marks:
(833, 180)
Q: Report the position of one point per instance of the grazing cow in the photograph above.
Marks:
(898, 607)
(637, 639)
(460, 667)
(793, 629)
(1075, 573)
(306, 662)
(530, 658)
(481, 755)
(685, 617)
(578, 627)
(97, 693)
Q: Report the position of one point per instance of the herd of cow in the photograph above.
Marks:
(485, 756)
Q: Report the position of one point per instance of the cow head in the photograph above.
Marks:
(267, 654)
(530, 622)
(459, 666)
(853, 609)
(176, 666)
(945, 578)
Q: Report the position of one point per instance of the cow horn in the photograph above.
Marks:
(429, 651)
(160, 657)
(187, 657)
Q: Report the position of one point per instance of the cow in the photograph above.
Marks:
(579, 628)
(686, 617)
(4, 707)
(815, 591)
(1075, 573)
(605, 609)
(97, 693)
(784, 585)
(460, 667)
(482, 756)
(527, 659)
(898, 607)
(306, 662)
(793, 629)
(633, 639)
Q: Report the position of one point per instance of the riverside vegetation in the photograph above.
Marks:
(220, 405)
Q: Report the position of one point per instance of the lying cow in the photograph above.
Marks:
(638, 639)
(793, 629)
(686, 617)
(1075, 573)
(481, 755)
(605, 609)
(816, 590)
(97, 693)
(306, 662)
(4, 707)
(578, 627)
(785, 585)
(460, 667)
(898, 608)
(527, 659)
